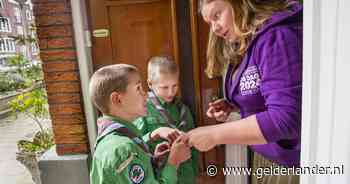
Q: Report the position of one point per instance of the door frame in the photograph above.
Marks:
(83, 46)
(325, 116)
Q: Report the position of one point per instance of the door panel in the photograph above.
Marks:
(137, 37)
(138, 30)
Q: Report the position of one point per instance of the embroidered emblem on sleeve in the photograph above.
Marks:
(123, 165)
(136, 174)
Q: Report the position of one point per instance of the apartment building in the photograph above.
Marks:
(17, 31)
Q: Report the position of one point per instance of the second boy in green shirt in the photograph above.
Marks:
(166, 113)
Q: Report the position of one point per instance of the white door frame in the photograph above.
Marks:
(83, 46)
(325, 122)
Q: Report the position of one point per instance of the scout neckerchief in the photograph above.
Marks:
(109, 126)
(165, 114)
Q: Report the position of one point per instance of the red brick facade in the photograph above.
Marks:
(61, 72)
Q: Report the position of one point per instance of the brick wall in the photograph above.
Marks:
(61, 72)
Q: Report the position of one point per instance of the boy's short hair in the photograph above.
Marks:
(107, 80)
(161, 65)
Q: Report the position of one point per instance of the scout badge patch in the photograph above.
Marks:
(136, 174)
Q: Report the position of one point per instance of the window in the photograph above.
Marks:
(20, 30)
(7, 45)
(24, 50)
(32, 34)
(5, 25)
(3, 61)
(35, 49)
(17, 13)
(28, 15)
(13, 2)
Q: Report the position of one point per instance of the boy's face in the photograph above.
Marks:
(133, 100)
(165, 86)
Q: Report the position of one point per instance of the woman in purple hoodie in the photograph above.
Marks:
(257, 46)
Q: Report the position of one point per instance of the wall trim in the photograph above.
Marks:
(82, 41)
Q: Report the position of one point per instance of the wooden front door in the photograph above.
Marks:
(131, 31)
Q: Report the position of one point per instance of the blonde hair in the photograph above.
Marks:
(107, 80)
(249, 16)
(161, 65)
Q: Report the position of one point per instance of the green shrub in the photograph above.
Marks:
(12, 82)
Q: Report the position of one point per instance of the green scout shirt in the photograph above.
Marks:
(188, 170)
(118, 159)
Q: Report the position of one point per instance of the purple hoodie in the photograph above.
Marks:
(269, 84)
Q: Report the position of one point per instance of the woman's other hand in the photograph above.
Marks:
(220, 110)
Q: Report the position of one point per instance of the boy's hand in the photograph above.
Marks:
(220, 110)
(161, 152)
(166, 133)
(179, 151)
(162, 149)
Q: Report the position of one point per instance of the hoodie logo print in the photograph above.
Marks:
(250, 81)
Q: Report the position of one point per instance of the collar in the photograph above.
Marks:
(102, 124)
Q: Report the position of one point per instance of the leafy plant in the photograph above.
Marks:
(42, 141)
(33, 104)
(11, 82)
(22, 40)
(23, 75)
(25, 68)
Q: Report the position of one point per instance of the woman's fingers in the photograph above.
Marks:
(163, 146)
(162, 149)
(220, 115)
(185, 139)
(218, 103)
(210, 112)
(171, 136)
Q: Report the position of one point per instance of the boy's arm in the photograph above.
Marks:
(136, 168)
(195, 161)
(142, 125)
(148, 135)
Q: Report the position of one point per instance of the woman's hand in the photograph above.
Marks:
(166, 133)
(220, 110)
(202, 138)
(179, 151)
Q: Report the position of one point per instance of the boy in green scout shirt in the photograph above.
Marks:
(167, 115)
(120, 155)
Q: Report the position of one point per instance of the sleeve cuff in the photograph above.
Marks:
(147, 137)
(267, 127)
(169, 172)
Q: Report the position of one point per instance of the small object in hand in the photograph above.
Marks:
(214, 98)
